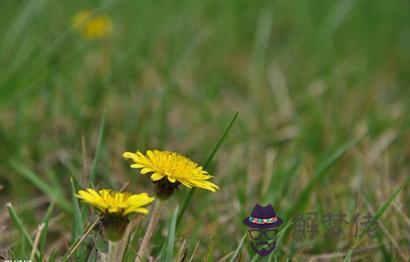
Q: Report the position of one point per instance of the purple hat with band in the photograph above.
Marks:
(263, 217)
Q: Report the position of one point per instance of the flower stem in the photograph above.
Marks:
(142, 252)
(113, 250)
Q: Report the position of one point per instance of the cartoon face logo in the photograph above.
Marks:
(262, 233)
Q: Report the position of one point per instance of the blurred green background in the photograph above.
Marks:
(308, 79)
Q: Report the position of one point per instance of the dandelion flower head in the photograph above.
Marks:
(114, 203)
(92, 27)
(171, 167)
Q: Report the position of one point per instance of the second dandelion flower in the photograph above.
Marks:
(169, 170)
(115, 208)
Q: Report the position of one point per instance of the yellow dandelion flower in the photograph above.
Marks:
(114, 203)
(169, 169)
(92, 27)
(115, 207)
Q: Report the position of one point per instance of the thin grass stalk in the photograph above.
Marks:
(101, 131)
(123, 243)
(113, 248)
(208, 161)
(77, 244)
(36, 241)
(143, 250)
(377, 216)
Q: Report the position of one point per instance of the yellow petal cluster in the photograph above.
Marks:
(173, 166)
(115, 203)
(92, 27)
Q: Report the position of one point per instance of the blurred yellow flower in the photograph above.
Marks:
(114, 203)
(170, 169)
(92, 27)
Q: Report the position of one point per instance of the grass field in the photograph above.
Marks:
(322, 93)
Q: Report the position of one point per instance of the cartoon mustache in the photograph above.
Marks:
(264, 245)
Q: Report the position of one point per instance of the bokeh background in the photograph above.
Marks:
(321, 87)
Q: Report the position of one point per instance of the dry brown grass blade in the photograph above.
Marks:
(87, 232)
(155, 215)
(385, 231)
(36, 241)
(124, 241)
(182, 252)
(400, 211)
(193, 252)
(227, 256)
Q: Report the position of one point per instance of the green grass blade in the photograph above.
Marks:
(320, 173)
(223, 137)
(282, 232)
(379, 213)
(20, 226)
(281, 235)
(255, 258)
(18, 223)
(78, 225)
(54, 193)
(21, 22)
(208, 161)
(43, 237)
(130, 252)
(77, 244)
(169, 254)
(93, 173)
(238, 248)
(53, 256)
